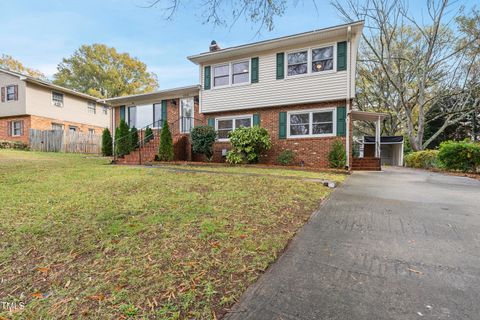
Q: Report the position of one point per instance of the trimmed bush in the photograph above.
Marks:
(286, 157)
(13, 145)
(165, 150)
(337, 157)
(459, 155)
(107, 150)
(122, 141)
(133, 138)
(248, 144)
(148, 135)
(425, 159)
(203, 138)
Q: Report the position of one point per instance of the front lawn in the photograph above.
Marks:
(83, 239)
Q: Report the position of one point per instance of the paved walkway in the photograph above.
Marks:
(397, 244)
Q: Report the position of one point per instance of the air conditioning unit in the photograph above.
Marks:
(58, 104)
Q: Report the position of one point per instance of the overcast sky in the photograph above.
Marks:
(41, 33)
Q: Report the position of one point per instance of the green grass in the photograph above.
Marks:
(81, 239)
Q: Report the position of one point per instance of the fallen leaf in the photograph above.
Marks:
(43, 270)
(98, 297)
(37, 295)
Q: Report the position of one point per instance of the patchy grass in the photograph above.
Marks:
(83, 239)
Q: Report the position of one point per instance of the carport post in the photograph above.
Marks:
(377, 138)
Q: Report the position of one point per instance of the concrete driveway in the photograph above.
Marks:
(397, 244)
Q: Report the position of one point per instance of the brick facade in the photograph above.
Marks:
(39, 123)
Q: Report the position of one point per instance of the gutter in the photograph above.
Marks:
(347, 119)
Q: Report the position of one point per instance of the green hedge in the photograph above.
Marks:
(13, 145)
(459, 155)
(425, 159)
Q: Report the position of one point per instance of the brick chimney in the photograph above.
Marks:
(214, 46)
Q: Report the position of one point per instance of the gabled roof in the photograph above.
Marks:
(47, 84)
(161, 94)
(276, 43)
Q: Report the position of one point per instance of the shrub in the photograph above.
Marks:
(337, 157)
(13, 145)
(148, 135)
(203, 138)
(248, 144)
(459, 155)
(133, 138)
(286, 157)
(122, 141)
(165, 150)
(425, 159)
(106, 143)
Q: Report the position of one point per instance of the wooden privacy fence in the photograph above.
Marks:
(65, 141)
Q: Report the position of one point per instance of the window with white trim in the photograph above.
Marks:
(91, 131)
(57, 126)
(91, 107)
(322, 59)
(240, 72)
(297, 63)
(72, 128)
(311, 123)
(57, 99)
(224, 126)
(11, 93)
(221, 75)
(105, 110)
(16, 128)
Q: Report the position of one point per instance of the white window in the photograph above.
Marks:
(311, 123)
(186, 114)
(240, 72)
(105, 110)
(297, 63)
(91, 131)
(221, 75)
(322, 59)
(225, 125)
(57, 126)
(132, 117)
(57, 99)
(91, 107)
(72, 129)
(157, 115)
(16, 128)
(11, 93)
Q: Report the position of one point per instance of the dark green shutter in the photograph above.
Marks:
(211, 122)
(282, 125)
(207, 80)
(256, 119)
(342, 56)
(280, 65)
(341, 123)
(122, 113)
(164, 111)
(254, 78)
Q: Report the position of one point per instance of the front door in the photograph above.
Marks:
(186, 115)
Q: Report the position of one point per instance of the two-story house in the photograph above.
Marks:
(29, 103)
(299, 87)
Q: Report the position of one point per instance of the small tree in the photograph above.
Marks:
(122, 141)
(106, 143)
(203, 138)
(337, 158)
(133, 138)
(248, 144)
(148, 135)
(165, 150)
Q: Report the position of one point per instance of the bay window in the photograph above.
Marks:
(311, 123)
(225, 125)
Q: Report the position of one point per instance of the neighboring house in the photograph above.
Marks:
(300, 88)
(29, 103)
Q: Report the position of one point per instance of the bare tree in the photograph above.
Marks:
(415, 64)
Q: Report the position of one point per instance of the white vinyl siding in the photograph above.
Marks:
(307, 88)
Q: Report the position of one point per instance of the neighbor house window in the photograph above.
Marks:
(16, 128)
(322, 59)
(240, 72)
(226, 125)
(221, 75)
(105, 110)
(92, 107)
(311, 123)
(72, 129)
(57, 126)
(297, 63)
(11, 94)
(57, 99)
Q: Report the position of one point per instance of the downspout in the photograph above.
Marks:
(347, 118)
